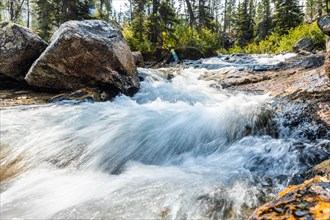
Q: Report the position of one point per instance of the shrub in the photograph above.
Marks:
(276, 43)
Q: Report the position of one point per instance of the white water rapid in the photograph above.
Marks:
(178, 149)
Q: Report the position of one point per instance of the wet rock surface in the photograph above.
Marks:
(299, 79)
(16, 97)
(88, 53)
(86, 94)
(19, 48)
(310, 200)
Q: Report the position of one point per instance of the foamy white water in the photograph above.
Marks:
(178, 149)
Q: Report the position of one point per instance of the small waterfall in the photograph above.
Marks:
(178, 149)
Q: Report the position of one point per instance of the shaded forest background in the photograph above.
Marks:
(225, 26)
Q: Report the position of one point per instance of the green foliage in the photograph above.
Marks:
(183, 36)
(140, 43)
(244, 25)
(275, 43)
(287, 15)
(205, 39)
(263, 20)
(313, 8)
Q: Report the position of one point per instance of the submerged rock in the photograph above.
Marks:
(88, 53)
(304, 44)
(310, 200)
(19, 48)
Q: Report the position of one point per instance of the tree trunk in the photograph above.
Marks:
(154, 33)
(28, 14)
(191, 13)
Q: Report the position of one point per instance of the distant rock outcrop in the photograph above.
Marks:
(324, 24)
(304, 44)
(89, 53)
(189, 53)
(19, 48)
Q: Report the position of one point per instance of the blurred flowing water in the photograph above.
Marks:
(178, 149)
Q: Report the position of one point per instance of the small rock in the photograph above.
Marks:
(300, 213)
(138, 58)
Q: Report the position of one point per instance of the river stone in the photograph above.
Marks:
(19, 48)
(89, 53)
(324, 24)
(304, 44)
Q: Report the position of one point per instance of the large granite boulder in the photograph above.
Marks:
(19, 48)
(89, 53)
(304, 44)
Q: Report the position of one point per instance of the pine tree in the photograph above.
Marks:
(161, 22)
(313, 8)
(205, 19)
(244, 23)
(287, 15)
(52, 13)
(263, 20)
(138, 19)
(45, 15)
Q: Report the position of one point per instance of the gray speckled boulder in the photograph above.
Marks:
(88, 53)
(19, 48)
(303, 44)
(324, 24)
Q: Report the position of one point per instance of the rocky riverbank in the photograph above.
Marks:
(300, 79)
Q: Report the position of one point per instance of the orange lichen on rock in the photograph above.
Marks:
(309, 200)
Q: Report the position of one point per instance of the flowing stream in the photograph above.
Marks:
(178, 149)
